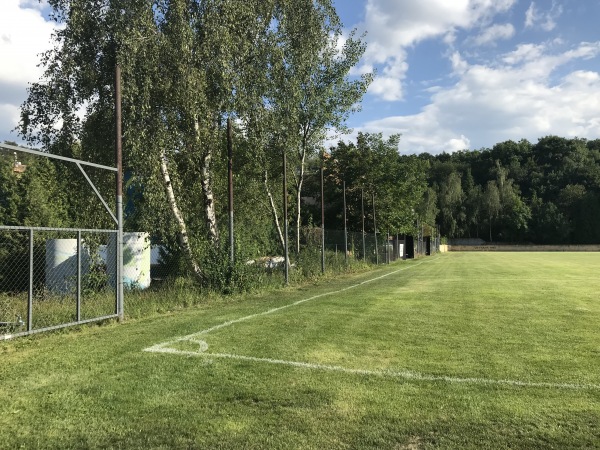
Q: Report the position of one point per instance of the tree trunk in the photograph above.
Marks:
(182, 236)
(207, 192)
(273, 208)
(299, 205)
(209, 200)
(299, 184)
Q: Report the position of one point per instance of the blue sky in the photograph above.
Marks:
(451, 74)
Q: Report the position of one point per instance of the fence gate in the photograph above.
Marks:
(53, 278)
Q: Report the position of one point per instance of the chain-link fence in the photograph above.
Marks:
(363, 246)
(50, 278)
(55, 277)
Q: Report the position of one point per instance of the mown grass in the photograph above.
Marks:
(523, 317)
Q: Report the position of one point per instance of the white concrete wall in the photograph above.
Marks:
(519, 248)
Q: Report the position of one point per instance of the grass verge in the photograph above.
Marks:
(528, 317)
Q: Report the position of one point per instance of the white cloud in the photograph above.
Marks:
(544, 20)
(512, 100)
(24, 34)
(495, 33)
(388, 85)
(530, 15)
(524, 52)
(395, 25)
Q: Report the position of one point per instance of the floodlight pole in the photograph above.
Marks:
(119, 192)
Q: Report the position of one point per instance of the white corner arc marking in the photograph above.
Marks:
(166, 347)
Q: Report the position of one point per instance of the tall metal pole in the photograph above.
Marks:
(322, 214)
(387, 248)
(119, 191)
(345, 226)
(362, 210)
(30, 288)
(423, 249)
(230, 175)
(285, 221)
(78, 287)
(419, 237)
(375, 232)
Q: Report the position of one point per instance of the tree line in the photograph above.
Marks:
(278, 72)
(543, 193)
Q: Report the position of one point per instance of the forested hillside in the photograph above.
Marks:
(544, 193)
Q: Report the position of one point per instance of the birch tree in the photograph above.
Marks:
(311, 89)
(182, 63)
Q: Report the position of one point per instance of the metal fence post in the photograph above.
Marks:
(78, 292)
(345, 226)
(322, 215)
(387, 248)
(285, 222)
(362, 210)
(375, 232)
(30, 287)
(119, 189)
(230, 187)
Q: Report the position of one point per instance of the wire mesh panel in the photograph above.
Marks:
(57, 216)
(14, 280)
(53, 278)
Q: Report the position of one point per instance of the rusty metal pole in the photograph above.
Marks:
(345, 226)
(362, 210)
(230, 176)
(375, 232)
(285, 221)
(322, 214)
(119, 191)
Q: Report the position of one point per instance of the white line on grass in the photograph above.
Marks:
(166, 347)
(190, 337)
(403, 374)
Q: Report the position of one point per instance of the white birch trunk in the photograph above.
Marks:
(207, 191)
(273, 208)
(182, 236)
(299, 183)
(209, 200)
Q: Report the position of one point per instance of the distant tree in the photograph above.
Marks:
(492, 204)
(370, 166)
(451, 204)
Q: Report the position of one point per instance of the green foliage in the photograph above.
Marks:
(547, 193)
(373, 166)
(187, 65)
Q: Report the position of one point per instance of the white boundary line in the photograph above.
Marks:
(190, 337)
(402, 374)
(166, 347)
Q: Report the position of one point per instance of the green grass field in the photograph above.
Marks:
(463, 350)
